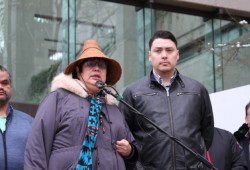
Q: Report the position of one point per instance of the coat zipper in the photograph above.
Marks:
(146, 94)
(172, 129)
(187, 93)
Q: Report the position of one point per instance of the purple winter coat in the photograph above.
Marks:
(59, 128)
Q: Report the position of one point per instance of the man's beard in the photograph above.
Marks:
(5, 101)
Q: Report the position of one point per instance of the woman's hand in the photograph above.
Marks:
(123, 147)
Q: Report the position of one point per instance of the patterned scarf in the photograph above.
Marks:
(85, 158)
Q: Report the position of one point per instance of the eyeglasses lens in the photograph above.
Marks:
(101, 63)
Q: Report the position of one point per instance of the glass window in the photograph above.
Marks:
(212, 51)
(39, 38)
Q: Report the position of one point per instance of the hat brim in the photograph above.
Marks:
(114, 69)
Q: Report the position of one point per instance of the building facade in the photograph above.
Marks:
(38, 38)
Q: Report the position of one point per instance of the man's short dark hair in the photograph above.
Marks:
(164, 35)
(5, 70)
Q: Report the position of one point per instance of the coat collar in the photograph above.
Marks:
(75, 86)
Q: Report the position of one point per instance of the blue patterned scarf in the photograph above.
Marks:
(85, 158)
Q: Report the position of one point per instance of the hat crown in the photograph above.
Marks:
(91, 49)
(90, 44)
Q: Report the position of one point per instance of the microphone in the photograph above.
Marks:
(100, 84)
(104, 86)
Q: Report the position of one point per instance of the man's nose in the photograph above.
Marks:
(164, 54)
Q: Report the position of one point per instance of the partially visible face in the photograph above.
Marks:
(247, 119)
(93, 70)
(163, 56)
(5, 88)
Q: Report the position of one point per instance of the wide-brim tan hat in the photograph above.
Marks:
(91, 49)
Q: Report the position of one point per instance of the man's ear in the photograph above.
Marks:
(178, 55)
(149, 56)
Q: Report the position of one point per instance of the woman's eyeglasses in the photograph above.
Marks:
(93, 62)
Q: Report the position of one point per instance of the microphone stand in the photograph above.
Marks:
(120, 98)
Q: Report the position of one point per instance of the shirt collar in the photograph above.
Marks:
(160, 80)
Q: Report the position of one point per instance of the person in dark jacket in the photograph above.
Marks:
(177, 104)
(225, 153)
(243, 135)
(78, 126)
(14, 127)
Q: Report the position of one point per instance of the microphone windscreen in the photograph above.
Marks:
(99, 84)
